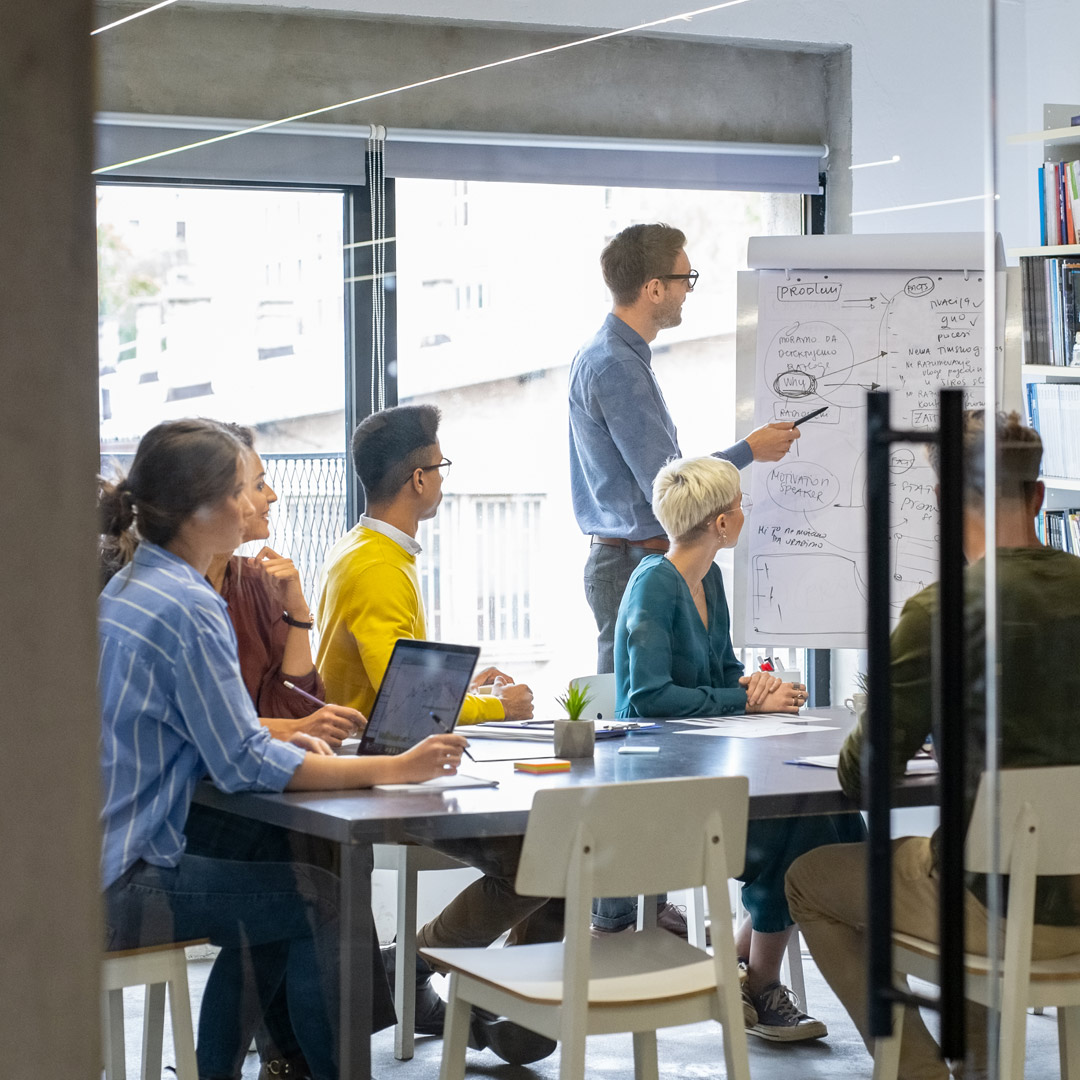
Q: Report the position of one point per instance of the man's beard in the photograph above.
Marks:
(666, 319)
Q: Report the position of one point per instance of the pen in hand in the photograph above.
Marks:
(303, 693)
(442, 727)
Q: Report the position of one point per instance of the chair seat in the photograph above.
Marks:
(649, 966)
(1060, 969)
(147, 950)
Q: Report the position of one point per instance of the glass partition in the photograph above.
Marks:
(229, 300)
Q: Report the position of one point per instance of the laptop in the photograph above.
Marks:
(424, 680)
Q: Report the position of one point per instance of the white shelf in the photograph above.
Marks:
(1055, 370)
(1061, 483)
(1055, 136)
(1052, 249)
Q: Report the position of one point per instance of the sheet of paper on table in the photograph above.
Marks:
(920, 766)
(746, 727)
(441, 783)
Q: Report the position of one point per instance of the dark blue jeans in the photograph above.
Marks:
(269, 918)
(607, 570)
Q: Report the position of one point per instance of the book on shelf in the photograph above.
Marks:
(1051, 286)
(1059, 202)
(1054, 412)
(1060, 529)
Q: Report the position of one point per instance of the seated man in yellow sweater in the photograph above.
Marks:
(370, 589)
(370, 597)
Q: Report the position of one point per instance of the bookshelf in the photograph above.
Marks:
(1050, 277)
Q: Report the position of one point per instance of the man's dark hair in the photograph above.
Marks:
(388, 445)
(637, 255)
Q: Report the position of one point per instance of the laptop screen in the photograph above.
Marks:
(424, 679)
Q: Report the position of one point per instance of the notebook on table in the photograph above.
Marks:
(420, 695)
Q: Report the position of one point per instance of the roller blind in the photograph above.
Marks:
(333, 154)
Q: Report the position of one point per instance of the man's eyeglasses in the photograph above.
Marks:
(444, 464)
(690, 279)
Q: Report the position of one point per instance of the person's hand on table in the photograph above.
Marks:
(516, 698)
(786, 698)
(311, 744)
(773, 441)
(487, 677)
(759, 685)
(437, 755)
(333, 723)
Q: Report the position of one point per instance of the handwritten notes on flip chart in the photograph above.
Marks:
(826, 338)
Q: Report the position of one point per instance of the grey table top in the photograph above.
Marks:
(777, 788)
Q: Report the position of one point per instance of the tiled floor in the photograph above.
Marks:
(685, 1053)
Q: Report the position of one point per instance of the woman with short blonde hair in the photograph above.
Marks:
(673, 657)
(684, 486)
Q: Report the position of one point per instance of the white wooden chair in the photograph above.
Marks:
(407, 860)
(155, 967)
(601, 689)
(614, 840)
(1039, 835)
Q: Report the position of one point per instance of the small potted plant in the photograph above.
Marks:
(574, 737)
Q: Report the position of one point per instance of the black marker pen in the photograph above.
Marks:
(810, 415)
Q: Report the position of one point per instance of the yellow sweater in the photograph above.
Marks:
(371, 597)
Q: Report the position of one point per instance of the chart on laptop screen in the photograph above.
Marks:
(421, 683)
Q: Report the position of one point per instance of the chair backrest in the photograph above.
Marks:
(1053, 794)
(646, 836)
(601, 689)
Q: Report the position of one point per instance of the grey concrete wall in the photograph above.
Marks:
(50, 928)
(265, 65)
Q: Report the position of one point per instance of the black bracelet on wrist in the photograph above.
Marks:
(287, 618)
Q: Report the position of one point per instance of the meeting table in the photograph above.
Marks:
(354, 820)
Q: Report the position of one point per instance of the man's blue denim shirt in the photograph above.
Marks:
(621, 434)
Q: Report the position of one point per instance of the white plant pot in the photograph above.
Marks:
(575, 738)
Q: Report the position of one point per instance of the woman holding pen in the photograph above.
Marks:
(175, 709)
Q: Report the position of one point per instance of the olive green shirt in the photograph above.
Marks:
(1039, 687)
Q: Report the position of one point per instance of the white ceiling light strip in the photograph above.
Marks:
(128, 18)
(870, 164)
(920, 205)
(608, 35)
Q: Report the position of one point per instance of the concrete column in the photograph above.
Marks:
(50, 924)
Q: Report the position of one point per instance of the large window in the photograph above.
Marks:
(221, 302)
(228, 303)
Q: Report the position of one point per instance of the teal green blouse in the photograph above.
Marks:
(666, 662)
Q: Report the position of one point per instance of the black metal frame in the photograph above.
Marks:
(818, 673)
(948, 719)
(359, 342)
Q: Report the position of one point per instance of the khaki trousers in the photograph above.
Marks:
(485, 909)
(826, 890)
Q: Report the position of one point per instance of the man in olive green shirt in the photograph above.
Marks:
(1038, 591)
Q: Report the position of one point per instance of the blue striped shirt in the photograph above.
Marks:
(173, 709)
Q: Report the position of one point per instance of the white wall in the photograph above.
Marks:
(920, 84)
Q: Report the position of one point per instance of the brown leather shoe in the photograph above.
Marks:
(673, 919)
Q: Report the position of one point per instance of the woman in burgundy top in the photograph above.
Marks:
(273, 625)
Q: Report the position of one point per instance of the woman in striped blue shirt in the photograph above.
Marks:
(175, 709)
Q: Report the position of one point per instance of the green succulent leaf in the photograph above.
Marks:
(574, 701)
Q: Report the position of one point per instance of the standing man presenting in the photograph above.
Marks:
(621, 432)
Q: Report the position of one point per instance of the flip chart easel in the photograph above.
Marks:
(823, 320)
